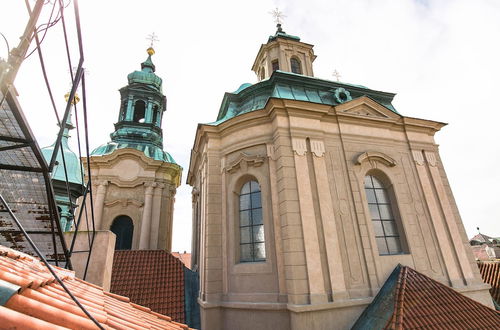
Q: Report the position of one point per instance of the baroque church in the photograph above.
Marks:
(311, 200)
(308, 194)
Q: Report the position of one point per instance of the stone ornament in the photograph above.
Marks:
(342, 95)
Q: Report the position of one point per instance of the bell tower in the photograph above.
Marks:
(133, 179)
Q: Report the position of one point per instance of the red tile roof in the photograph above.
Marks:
(490, 272)
(411, 300)
(38, 301)
(184, 257)
(152, 278)
(421, 302)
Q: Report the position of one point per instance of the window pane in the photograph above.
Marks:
(244, 202)
(382, 246)
(390, 228)
(385, 211)
(368, 182)
(245, 218)
(377, 183)
(374, 211)
(377, 228)
(245, 235)
(370, 196)
(394, 245)
(258, 233)
(259, 251)
(381, 196)
(257, 216)
(255, 200)
(246, 252)
(254, 186)
(246, 188)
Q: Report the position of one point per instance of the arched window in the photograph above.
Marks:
(123, 228)
(139, 111)
(383, 217)
(155, 114)
(252, 242)
(275, 65)
(295, 65)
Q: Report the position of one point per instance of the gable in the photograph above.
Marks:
(366, 107)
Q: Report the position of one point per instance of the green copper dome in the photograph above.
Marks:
(146, 75)
(140, 115)
(73, 164)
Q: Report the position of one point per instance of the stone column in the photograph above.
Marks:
(310, 231)
(102, 187)
(146, 216)
(155, 216)
(130, 105)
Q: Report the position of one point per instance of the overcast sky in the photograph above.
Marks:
(440, 57)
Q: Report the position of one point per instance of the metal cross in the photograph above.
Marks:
(336, 74)
(152, 37)
(277, 15)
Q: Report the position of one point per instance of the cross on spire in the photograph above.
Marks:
(277, 15)
(336, 74)
(152, 38)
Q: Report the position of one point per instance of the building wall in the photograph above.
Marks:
(127, 182)
(322, 260)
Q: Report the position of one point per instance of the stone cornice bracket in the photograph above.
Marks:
(245, 160)
(270, 151)
(374, 157)
(418, 157)
(317, 148)
(299, 146)
(431, 158)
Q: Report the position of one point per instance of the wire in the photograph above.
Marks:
(7, 43)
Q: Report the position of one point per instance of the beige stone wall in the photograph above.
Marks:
(310, 161)
(127, 182)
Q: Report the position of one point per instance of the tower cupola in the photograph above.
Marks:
(284, 52)
(141, 113)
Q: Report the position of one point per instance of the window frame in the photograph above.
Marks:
(251, 223)
(388, 201)
(298, 62)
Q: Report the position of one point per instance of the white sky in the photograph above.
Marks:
(440, 57)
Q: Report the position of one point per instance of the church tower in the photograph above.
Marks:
(307, 193)
(133, 179)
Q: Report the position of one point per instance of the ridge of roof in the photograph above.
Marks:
(419, 301)
(37, 301)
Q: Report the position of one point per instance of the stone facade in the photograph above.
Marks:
(127, 182)
(322, 263)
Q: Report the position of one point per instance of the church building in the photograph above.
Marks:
(308, 193)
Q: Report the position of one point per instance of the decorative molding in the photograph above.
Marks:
(431, 158)
(299, 146)
(245, 160)
(375, 156)
(270, 151)
(418, 157)
(124, 202)
(318, 148)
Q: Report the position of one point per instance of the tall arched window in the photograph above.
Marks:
(275, 65)
(252, 242)
(139, 111)
(295, 65)
(383, 219)
(123, 228)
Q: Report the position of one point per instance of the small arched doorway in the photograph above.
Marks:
(123, 228)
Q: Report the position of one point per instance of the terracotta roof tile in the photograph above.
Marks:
(184, 257)
(490, 272)
(152, 278)
(39, 302)
(411, 300)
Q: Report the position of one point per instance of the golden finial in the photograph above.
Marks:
(151, 51)
(76, 99)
